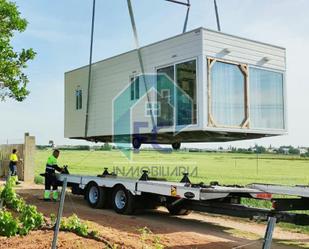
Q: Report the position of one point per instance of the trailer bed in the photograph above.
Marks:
(127, 194)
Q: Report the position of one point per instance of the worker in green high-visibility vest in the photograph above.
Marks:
(50, 176)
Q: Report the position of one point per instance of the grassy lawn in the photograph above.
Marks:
(227, 168)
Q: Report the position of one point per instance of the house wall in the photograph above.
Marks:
(74, 120)
(245, 51)
(111, 76)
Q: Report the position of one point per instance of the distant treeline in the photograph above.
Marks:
(284, 150)
(105, 146)
(257, 149)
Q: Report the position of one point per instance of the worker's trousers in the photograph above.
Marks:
(50, 181)
(13, 169)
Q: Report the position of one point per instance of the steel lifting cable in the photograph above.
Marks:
(139, 49)
(90, 69)
(187, 17)
(217, 15)
(140, 59)
(188, 4)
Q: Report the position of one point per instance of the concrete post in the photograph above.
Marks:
(29, 158)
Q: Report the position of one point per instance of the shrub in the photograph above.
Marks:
(39, 179)
(17, 204)
(8, 224)
(53, 219)
(30, 218)
(8, 194)
(73, 223)
(10, 197)
(147, 235)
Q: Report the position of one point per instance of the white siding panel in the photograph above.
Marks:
(74, 120)
(243, 50)
(111, 76)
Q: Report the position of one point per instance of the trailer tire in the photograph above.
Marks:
(178, 210)
(123, 200)
(96, 196)
(136, 143)
(176, 145)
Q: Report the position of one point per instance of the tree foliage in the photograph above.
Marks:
(13, 81)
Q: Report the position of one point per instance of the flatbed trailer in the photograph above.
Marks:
(126, 195)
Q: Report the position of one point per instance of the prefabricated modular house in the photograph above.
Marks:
(220, 88)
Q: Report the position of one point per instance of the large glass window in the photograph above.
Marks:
(266, 99)
(227, 86)
(186, 93)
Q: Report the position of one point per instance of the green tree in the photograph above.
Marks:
(13, 81)
(106, 146)
(260, 149)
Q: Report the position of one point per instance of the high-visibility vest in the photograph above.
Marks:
(51, 165)
(13, 158)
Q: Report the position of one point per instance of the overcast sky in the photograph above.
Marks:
(59, 31)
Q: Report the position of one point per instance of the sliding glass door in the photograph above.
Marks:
(176, 93)
(165, 96)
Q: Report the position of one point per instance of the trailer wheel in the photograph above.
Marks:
(123, 200)
(136, 143)
(178, 210)
(176, 145)
(96, 196)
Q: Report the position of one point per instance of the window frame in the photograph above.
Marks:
(78, 99)
(283, 94)
(170, 95)
(134, 87)
(174, 64)
(244, 69)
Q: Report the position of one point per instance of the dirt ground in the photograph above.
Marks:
(193, 231)
(43, 239)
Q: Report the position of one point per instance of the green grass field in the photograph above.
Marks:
(227, 168)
